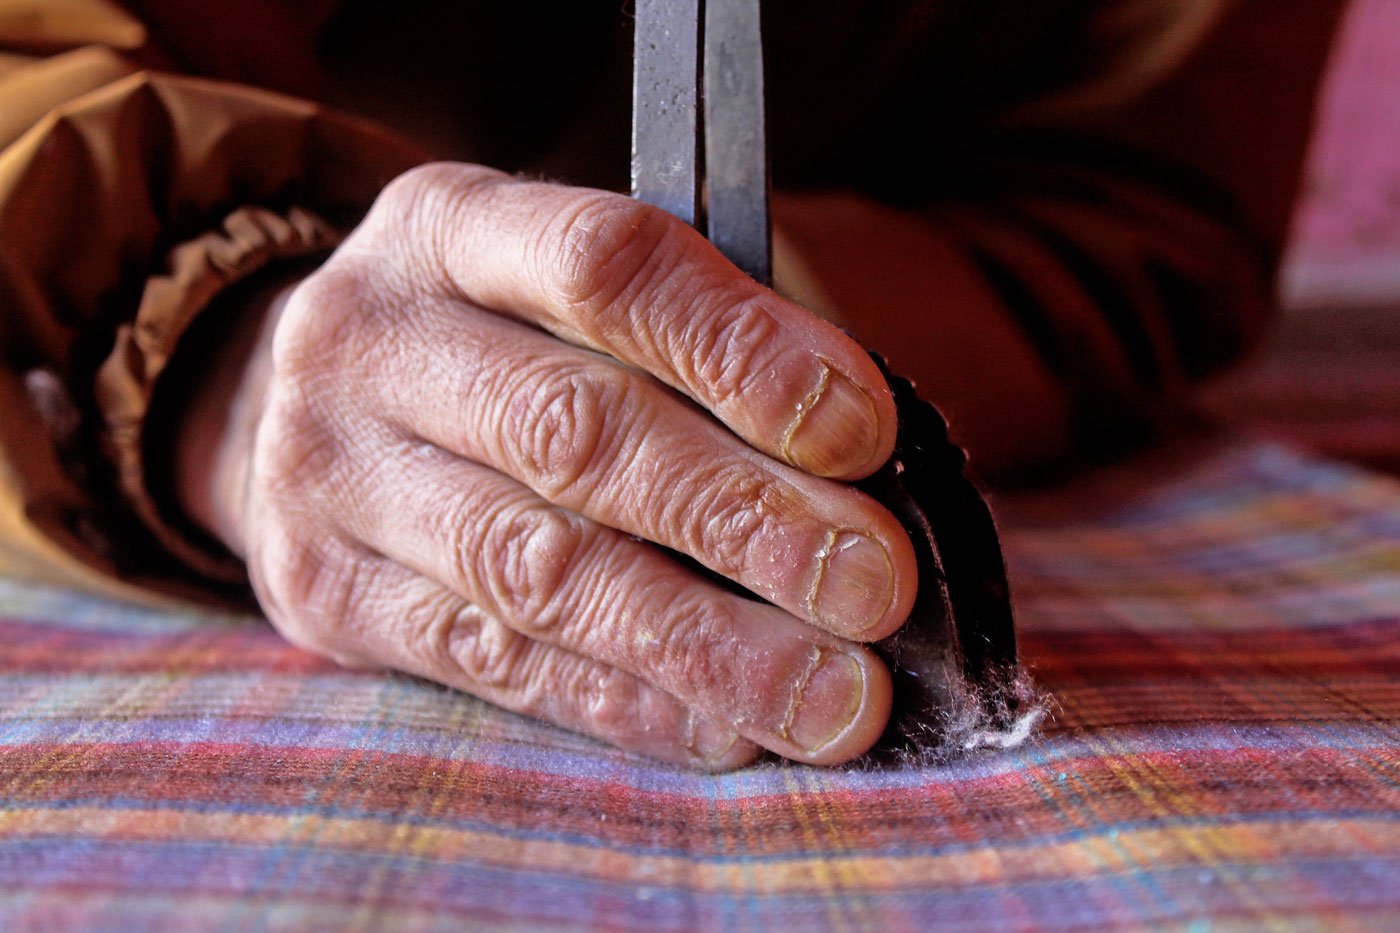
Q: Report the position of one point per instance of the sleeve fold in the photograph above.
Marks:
(126, 208)
(250, 240)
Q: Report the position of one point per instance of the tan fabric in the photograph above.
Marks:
(130, 195)
(60, 24)
(116, 169)
(13, 62)
(31, 92)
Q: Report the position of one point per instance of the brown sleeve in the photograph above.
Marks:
(1087, 253)
(128, 200)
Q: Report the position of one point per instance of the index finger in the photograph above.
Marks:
(625, 278)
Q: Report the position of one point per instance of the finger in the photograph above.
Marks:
(614, 445)
(564, 580)
(387, 615)
(607, 272)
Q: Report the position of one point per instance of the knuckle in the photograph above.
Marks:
(561, 430)
(313, 588)
(730, 346)
(316, 309)
(415, 186)
(726, 512)
(430, 621)
(528, 554)
(421, 211)
(329, 325)
(299, 456)
(599, 250)
(492, 655)
(429, 191)
(700, 648)
(608, 701)
(486, 652)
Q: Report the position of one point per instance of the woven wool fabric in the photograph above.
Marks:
(1221, 633)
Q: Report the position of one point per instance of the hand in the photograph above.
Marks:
(451, 445)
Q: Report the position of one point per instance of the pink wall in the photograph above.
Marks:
(1346, 245)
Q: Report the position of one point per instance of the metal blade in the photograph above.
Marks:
(736, 146)
(665, 106)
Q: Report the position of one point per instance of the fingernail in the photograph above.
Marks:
(835, 430)
(707, 741)
(853, 584)
(827, 703)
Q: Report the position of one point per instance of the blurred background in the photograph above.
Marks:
(1329, 377)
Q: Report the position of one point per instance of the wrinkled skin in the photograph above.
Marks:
(447, 450)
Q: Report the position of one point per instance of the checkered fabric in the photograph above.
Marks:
(1221, 632)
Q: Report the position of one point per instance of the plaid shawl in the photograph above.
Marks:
(1220, 632)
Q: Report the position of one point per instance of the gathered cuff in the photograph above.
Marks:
(250, 240)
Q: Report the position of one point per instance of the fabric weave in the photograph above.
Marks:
(1220, 632)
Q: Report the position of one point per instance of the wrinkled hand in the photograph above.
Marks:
(456, 439)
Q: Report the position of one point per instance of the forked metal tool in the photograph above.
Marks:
(698, 88)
